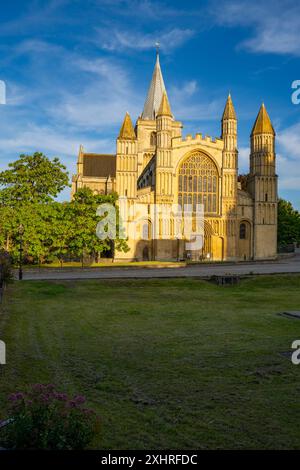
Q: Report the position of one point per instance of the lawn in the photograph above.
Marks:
(165, 363)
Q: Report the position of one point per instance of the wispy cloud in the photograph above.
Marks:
(34, 15)
(108, 93)
(288, 163)
(192, 103)
(115, 39)
(289, 157)
(289, 141)
(275, 24)
(145, 10)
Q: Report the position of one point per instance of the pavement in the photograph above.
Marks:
(283, 266)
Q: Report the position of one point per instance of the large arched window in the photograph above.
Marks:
(198, 183)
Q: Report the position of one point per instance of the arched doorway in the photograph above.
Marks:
(146, 253)
(144, 245)
(244, 241)
(205, 252)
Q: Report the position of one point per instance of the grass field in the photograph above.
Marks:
(166, 363)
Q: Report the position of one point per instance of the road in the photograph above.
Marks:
(288, 265)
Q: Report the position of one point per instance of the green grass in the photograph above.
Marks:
(166, 363)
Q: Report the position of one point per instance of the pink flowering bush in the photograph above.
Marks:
(43, 418)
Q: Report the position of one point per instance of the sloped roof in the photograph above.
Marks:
(164, 109)
(229, 111)
(263, 123)
(127, 129)
(99, 165)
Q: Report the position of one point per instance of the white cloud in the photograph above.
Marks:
(108, 93)
(189, 102)
(288, 159)
(186, 90)
(116, 39)
(36, 15)
(144, 9)
(275, 23)
(49, 140)
(289, 141)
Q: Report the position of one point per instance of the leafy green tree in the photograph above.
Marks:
(61, 231)
(27, 191)
(34, 228)
(32, 178)
(288, 223)
(84, 240)
(51, 229)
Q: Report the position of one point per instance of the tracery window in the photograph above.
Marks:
(198, 183)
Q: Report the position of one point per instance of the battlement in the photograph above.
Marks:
(198, 139)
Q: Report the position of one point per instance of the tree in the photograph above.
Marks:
(27, 191)
(84, 240)
(288, 223)
(61, 230)
(36, 229)
(51, 229)
(31, 179)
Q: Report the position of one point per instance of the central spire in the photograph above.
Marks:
(155, 94)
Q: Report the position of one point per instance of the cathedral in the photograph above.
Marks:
(155, 166)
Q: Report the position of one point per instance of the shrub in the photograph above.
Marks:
(43, 418)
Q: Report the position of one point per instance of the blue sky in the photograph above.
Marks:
(73, 68)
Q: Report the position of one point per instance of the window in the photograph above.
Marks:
(153, 139)
(243, 232)
(145, 233)
(198, 182)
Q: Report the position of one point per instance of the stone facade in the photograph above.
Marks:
(154, 164)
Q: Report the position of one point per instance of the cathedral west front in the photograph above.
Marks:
(154, 166)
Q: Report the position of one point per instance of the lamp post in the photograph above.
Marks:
(21, 231)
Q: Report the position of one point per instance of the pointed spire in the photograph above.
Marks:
(263, 124)
(229, 111)
(127, 130)
(164, 109)
(155, 92)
